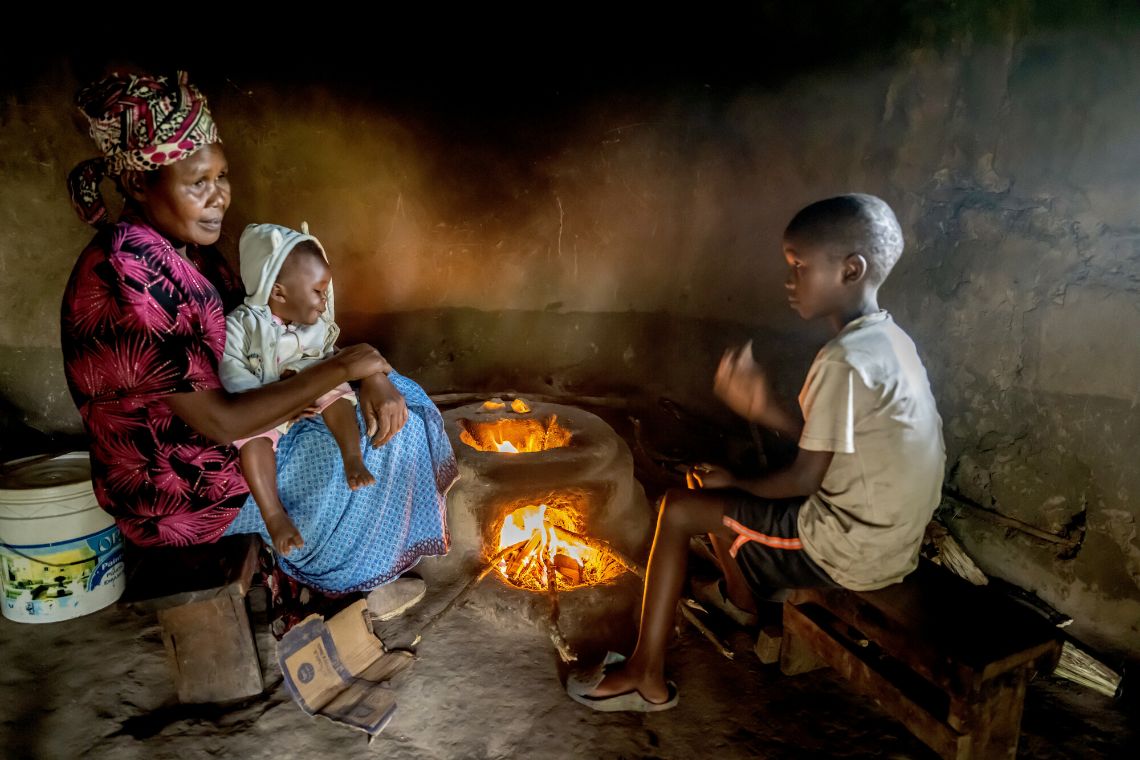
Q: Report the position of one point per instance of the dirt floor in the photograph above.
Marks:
(486, 684)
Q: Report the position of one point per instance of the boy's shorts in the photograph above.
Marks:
(768, 548)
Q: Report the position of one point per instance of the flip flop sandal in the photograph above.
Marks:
(579, 685)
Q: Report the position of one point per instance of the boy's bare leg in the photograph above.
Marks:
(259, 464)
(735, 586)
(340, 416)
(683, 514)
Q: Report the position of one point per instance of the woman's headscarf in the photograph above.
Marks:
(138, 122)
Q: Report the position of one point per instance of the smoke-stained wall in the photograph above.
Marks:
(621, 249)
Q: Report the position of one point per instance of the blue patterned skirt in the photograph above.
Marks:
(358, 540)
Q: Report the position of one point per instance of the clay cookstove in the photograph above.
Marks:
(541, 478)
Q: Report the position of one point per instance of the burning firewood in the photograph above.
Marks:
(568, 568)
(526, 555)
(564, 650)
(604, 547)
(466, 590)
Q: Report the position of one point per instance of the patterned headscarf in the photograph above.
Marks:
(138, 122)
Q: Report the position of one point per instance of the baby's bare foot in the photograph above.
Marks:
(284, 534)
(357, 474)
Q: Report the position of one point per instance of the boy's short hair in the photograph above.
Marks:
(860, 223)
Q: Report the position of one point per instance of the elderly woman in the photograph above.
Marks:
(143, 329)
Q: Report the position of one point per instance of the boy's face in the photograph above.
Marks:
(816, 283)
(300, 294)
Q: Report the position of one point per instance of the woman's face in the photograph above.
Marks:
(188, 199)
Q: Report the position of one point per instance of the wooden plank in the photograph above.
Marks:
(211, 651)
(164, 577)
(797, 654)
(768, 644)
(864, 675)
(948, 609)
(954, 634)
(993, 717)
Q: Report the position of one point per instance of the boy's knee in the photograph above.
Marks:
(678, 508)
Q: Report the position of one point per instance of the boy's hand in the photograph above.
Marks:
(703, 476)
(741, 384)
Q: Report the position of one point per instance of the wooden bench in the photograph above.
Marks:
(947, 659)
(199, 595)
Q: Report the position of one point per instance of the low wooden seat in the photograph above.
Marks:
(948, 659)
(199, 594)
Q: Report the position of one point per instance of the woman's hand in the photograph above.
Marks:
(361, 361)
(705, 476)
(742, 385)
(383, 407)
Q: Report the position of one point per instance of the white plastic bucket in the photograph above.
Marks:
(61, 555)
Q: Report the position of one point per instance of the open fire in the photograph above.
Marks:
(514, 436)
(548, 546)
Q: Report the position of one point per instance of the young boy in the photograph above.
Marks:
(852, 507)
(285, 325)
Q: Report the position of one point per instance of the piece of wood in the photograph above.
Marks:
(797, 655)
(605, 547)
(169, 576)
(466, 590)
(931, 622)
(695, 621)
(210, 650)
(1008, 522)
(198, 593)
(768, 644)
(806, 632)
(565, 651)
(948, 659)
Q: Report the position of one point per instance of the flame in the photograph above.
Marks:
(519, 406)
(545, 536)
(494, 404)
(522, 435)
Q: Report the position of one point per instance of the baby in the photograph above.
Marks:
(285, 325)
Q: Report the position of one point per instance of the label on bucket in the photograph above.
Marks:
(44, 583)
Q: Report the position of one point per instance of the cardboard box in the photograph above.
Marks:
(338, 669)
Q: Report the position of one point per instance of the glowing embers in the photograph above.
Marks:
(548, 545)
(515, 436)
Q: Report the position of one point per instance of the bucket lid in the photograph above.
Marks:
(61, 474)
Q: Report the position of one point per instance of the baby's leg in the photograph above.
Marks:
(340, 416)
(259, 463)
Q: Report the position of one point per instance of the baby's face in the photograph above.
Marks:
(304, 286)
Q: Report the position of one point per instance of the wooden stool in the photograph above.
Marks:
(199, 594)
(948, 659)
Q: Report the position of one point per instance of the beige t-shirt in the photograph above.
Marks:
(867, 398)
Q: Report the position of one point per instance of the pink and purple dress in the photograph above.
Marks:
(140, 322)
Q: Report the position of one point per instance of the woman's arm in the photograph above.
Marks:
(225, 417)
